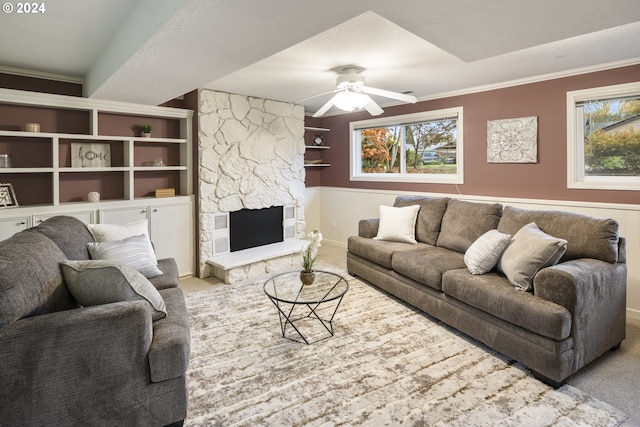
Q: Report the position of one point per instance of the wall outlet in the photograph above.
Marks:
(333, 223)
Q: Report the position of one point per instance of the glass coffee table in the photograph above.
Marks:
(309, 308)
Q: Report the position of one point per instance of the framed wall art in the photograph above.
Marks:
(512, 140)
(90, 155)
(7, 196)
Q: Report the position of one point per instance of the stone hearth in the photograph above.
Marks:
(250, 155)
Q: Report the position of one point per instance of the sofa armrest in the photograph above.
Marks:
(368, 227)
(594, 292)
(74, 362)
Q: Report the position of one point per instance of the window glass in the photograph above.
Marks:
(603, 137)
(422, 147)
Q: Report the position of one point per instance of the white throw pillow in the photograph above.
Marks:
(530, 250)
(113, 232)
(398, 224)
(484, 253)
(132, 251)
(96, 282)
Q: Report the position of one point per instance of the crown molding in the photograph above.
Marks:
(533, 79)
(41, 75)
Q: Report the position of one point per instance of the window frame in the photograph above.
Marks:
(355, 169)
(576, 178)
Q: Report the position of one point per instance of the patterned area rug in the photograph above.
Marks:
(387, 365)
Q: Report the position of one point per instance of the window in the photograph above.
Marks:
(420, 147)
(603, 138)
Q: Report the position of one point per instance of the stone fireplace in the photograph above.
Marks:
(250, 157)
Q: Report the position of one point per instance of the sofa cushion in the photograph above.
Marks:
(97, 282)
(484, 253)
(398, 224)
(494, 294)
(586, 236)
(132, 251)
(463, 222)
(426, 264)
(377, 251)
(169, 351)
(30, 278)
(530, 250)
(429, 218)
(69, 233)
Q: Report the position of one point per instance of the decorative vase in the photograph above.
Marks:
(146, 134)
(307, 277)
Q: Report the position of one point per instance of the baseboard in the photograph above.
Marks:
(633, 314)
(335, 243)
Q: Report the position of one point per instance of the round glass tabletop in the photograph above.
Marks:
(288, 287)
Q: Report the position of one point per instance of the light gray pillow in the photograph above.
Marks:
(484, 253)
(132, 251)
(530, 250)
(398, 224)
(96, 282)
(114, 232)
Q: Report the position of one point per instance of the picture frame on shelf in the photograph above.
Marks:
(90, 155)
(7, 196)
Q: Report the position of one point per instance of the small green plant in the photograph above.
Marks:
(146, 128)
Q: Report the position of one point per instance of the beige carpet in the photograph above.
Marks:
(386, 365)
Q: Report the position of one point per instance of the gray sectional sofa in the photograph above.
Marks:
(574, 312)
(102, 365)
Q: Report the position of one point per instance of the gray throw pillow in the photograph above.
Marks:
(484, 253)
(96, 282)
(132, 251)
(530, 250)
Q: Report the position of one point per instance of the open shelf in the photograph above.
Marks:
(43, 172)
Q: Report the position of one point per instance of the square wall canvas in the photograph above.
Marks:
(512, 140)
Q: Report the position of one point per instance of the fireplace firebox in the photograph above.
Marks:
(250, 228)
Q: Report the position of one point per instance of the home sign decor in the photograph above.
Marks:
(90, 155)
(512, 140)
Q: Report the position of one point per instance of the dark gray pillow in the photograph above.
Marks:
(96, 282)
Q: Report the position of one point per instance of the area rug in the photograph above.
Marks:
(386, 365)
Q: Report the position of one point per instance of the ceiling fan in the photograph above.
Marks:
(352, 94)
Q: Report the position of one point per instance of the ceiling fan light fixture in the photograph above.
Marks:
(350, 101)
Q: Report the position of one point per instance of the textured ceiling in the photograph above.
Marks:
(150, 51)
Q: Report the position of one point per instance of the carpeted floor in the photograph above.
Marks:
(386, 365)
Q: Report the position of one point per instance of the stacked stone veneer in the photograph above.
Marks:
(250, 155)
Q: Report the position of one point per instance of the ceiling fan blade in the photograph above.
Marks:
(373, 108)
(389, 94)
(315, 96)
(325, 107)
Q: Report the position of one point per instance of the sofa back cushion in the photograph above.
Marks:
(463, 222)
(30, 278)
(69, 233)
(429, 217)
(586, 236)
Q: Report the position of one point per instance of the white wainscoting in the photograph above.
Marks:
(336, 212)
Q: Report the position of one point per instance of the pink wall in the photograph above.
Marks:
(546, 179)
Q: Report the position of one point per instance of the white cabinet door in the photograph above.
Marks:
(123, 215)
(170, 230)
(84, 216)
(10, 226)
(171, 233)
